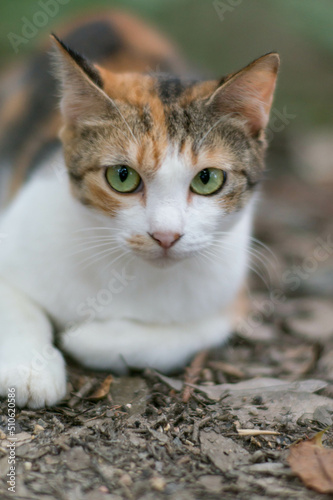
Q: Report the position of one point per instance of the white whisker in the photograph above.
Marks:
(115, 260)
(100, 256)
(251, 266)
(211, 128)
(95, 237)
(99, 228)
(86, 249)
(264, 259)
(88, 241)
(125, 121)
(251, 251)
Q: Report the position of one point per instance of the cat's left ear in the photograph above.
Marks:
(249, 92)
(82, 91)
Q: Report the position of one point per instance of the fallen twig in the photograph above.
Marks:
(192, 374)
(257, 432)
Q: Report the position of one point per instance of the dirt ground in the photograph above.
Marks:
(150, 437)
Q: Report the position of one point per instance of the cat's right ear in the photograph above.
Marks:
(82, 94)
(249, 93)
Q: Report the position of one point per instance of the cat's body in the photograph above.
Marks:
(140, 278)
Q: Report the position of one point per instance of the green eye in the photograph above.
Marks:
(122, 178)
(208, 181)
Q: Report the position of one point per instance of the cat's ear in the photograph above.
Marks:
(81, 85)
(249, 92)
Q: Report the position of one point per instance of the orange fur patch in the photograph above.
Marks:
(141, 243)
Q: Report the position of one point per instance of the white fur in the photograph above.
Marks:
(141, 310)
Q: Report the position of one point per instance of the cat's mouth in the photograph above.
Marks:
(163, 261)
(165, 258)
(150, 251)
(162, 258)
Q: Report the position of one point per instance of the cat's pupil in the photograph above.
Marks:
(204, 176)
(123, 174)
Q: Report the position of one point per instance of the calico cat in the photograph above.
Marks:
(130, 242)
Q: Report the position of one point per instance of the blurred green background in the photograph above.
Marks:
(300, 30)
(221, 36)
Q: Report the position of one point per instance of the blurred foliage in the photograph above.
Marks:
(300, 30)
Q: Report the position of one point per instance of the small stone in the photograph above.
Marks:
(136, 440)
(223, 452)
(51, 459)
(76, 459)
(58, 424)
(195, 451)
(172, 488)
(253, 411)
(38, 428)
(158, 483)
(27, 466)
(212, 483)
(257, 400)
(305, 419)
(322, 416)
(159, 466)
(103, 489)
(126, 480)
(162, 438)
(258, 457)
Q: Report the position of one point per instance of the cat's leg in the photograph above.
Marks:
(120, 343)
(28, 360)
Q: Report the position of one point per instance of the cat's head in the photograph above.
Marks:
(171, 161)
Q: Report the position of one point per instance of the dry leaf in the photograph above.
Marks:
(313, 463)
(103, 389)
(173, 383)
(259, 385)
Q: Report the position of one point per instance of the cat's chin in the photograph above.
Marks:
(163, 261)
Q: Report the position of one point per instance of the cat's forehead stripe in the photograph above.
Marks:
(170, 88)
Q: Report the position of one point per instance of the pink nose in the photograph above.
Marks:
(165, 240)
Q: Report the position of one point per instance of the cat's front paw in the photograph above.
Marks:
(39, 382)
